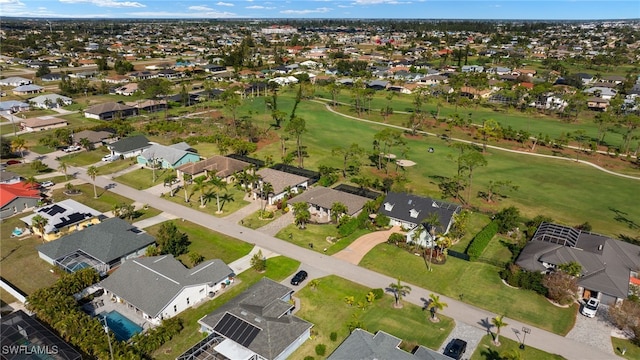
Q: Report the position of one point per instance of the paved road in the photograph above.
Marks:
(460, 312)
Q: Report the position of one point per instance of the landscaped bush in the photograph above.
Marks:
(309, 357)
(333, 336)
(396, 238)
(321, 349)
(481, 240)
(515, 276)
(378, 293)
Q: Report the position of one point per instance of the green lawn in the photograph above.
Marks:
(278, 268)
(26, 171)
(329, 298)
(478, 282)
(568, 192)
(84, 158)
(20, 262)
(105, 202)
(143, 178)
(497, 252)
(253, 221)
(234, 203)
(633, 350)
(317, 235)
(115, 166)
(208, 243)
(488, 351)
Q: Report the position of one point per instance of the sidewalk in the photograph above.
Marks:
(236, 216)
(244, 262)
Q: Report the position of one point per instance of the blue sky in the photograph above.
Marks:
(396, 9)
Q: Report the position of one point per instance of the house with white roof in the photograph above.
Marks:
(168, 157)
(50, 101)
(63, 218)
(15, 81)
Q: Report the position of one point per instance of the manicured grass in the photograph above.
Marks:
(105, 202)
(26, 171)
(546, 186)
(142, 214)
(143, 178)
(253, 221)
(211, 207)
(488, 351)
(329, 298)
(40, 149)
(208, 243)
(278, 268)
(317, 235)
(115, 166)
(83, 158)
(497, 252)
(633, 350)
(479, 283)
(20, 262)
(477, 221)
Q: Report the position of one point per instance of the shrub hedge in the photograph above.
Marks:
(481, 240)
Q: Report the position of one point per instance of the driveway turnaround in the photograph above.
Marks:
(359, 248)
(460, 312)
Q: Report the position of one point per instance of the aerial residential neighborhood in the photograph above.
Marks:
(234, 187)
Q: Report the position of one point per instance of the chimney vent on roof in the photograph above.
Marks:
(600, 247)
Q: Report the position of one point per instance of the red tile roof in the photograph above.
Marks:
(9, 192)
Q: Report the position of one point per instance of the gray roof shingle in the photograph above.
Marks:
(151, 283)
(130, 143)
(326, 197)
(403, 207)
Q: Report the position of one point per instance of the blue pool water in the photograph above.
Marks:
(122, 327)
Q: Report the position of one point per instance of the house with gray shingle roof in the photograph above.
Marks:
(363, 345)
(410, 212)
(102, 246)
(13, 106)
(321, 199)
(27, 89)
(15, 81)
(50, 101)
(281, 181)
(168, 157)
(220, 166)
(161, 287)
(110, 111)
(608, 266)
(257, 324)
(130, 146)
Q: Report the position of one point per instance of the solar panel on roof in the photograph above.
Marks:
(54, 210)
(236, 329)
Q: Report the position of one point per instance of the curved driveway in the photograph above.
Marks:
(362, 245)
(457, 310)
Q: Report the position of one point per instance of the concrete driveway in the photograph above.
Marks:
(362, 245)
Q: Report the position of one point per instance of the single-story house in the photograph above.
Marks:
(410, 211)
(50, 101)
(321, 199)
(42, 123)
(257, 324)
(96, 138)
(51, 77)
(168, 157)
(161, 287)
(130, 146)
(220, 166)
(17, 197)
(103, 247)
(281, 181)
(24, 337)
(63, 217)
(128, 89)
(9, 177)
(13, 106)
(363, 345)
(15, 81)
(27, 89)
(608, 265)
(378, 84)
(110, 111)
(149, 105)
(473, 93)
(601, 92)
(597, 103)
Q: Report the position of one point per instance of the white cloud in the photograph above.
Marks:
(224, 4)
(170, 15)
(10, 7)
(345, 6)
(308, 11)
(199, 8)
(376, 2)
(106, 3)
(259, 7)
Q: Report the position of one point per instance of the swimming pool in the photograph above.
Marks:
(122, 327)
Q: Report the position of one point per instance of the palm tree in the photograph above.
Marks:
(399, 291)
(200, 184)
(92, 171)
(18, 144)
(302, 214)
(63, 166)
(186, 180)
(168, 181)
(434, 305)
(267, 189)
(38, 222)
(314, 284)
(219, 185)
(498, 322)
(337, 210)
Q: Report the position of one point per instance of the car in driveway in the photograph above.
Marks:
(590, 307)
(299, 277)
(46, 184)
(455, 349)
(110, 157)
(72, 148)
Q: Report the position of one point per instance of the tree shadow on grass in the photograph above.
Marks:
(490, 354)
(621, 217)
